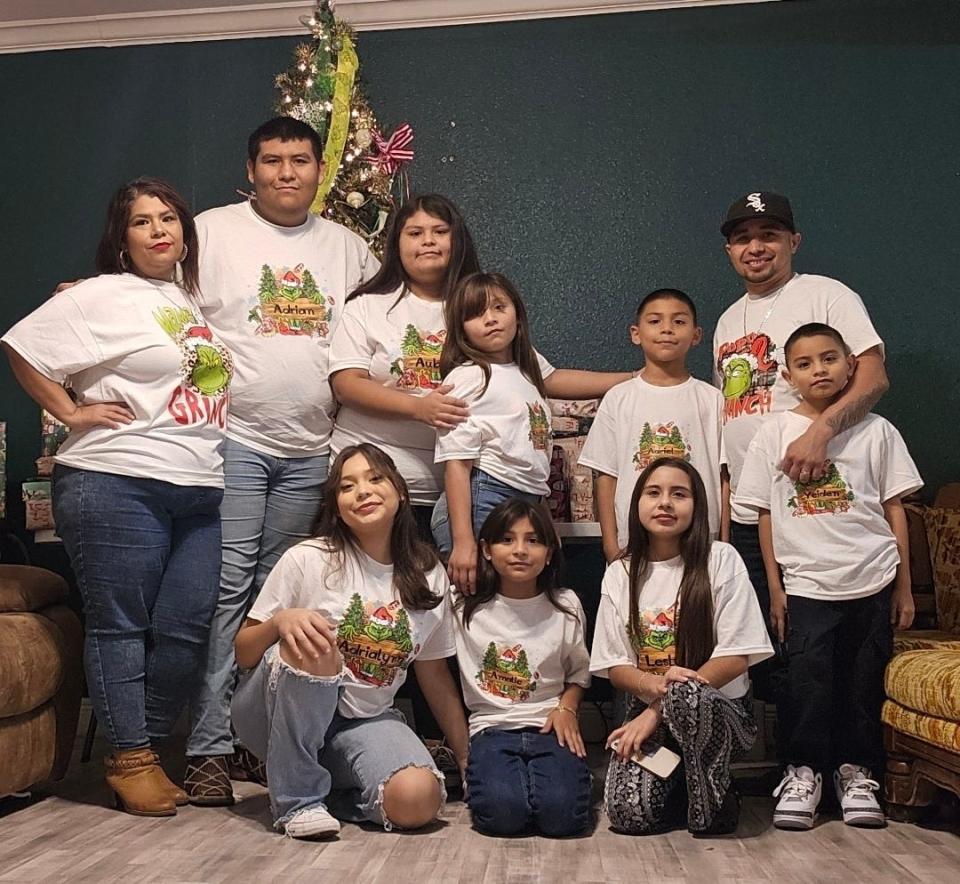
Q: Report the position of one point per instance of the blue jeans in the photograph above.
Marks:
(314, 755)
(146, 555)
(522, 780)
(486, 493)
(269, 504)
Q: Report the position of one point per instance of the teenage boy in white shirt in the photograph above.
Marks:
(661, 412)
(274, 279)
(841, 544)
(762, 239)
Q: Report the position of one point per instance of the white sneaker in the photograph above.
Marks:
(799, 793)
(855, 792)
(311, 822)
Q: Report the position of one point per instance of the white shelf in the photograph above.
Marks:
(47, 535)
(582, 532)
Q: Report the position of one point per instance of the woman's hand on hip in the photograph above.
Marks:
(99, 414)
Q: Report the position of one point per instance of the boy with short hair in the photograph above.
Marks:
(663, 411)
(841, 543)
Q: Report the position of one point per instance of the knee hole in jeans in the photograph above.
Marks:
(411, 797)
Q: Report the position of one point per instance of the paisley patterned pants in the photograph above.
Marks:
(708, 730)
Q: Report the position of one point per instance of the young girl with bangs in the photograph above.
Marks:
(523, 667)
(502, 448)
(328, 643)
(677, 628)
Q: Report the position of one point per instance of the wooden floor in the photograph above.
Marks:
(74, 834)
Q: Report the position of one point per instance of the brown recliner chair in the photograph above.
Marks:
(41, 668)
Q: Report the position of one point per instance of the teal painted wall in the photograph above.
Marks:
(592, 156)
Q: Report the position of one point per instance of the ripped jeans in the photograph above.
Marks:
(314, 755)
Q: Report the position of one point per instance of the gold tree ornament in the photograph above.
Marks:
(364, 177)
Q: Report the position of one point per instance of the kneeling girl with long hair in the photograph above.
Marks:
(523, 666)
(328, 643)
(677, 628)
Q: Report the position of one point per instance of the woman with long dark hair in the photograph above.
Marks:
(677, 628)
(137, 484)
(327, 645)
(385, 353)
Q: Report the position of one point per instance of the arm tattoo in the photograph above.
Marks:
(851, 413)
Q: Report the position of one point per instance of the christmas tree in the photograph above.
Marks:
(401, 632)
(490, 658)
(267, 290)
(412, 342)
(523, 667)
(363, 179)
(352, 622)
(310, 290)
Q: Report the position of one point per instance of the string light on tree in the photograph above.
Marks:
(365, 178)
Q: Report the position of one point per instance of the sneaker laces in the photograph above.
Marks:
(859, 783)
(794, 786)
(443, 756)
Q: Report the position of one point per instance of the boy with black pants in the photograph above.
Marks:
(836, 559)
(761, 242)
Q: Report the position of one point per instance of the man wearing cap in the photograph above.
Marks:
(748, 357)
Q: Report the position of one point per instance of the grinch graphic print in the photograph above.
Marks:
(656, 643)
(289, 302)
(539, 433)
(828, 494)
(205, 369)
(375, 641)
(505, 673)
(418, 366)
(748, 368)
(659, 440)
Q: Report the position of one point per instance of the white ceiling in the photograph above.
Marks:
(25, 10)
(34, 25)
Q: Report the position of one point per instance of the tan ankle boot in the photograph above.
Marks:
(180, 798)
(140, 785)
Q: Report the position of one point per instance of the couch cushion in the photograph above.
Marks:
(928, 728)
(943, 533)
(31, 662)
(925, 639)
(27, 746)
(927, 682)
(25, 588)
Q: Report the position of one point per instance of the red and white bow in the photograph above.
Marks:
(394, 151)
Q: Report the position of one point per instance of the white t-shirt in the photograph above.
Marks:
(638, 422)
(508, 431)
(398, 343)
(274, 294)
(516, 657)
(122, 338)
(748, 356)
(738, 623)
(830, 536)
(378, 638)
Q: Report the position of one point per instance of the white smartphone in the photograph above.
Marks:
(659, 760)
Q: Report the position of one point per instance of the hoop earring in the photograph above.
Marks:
(123, 260)
(186, 251)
